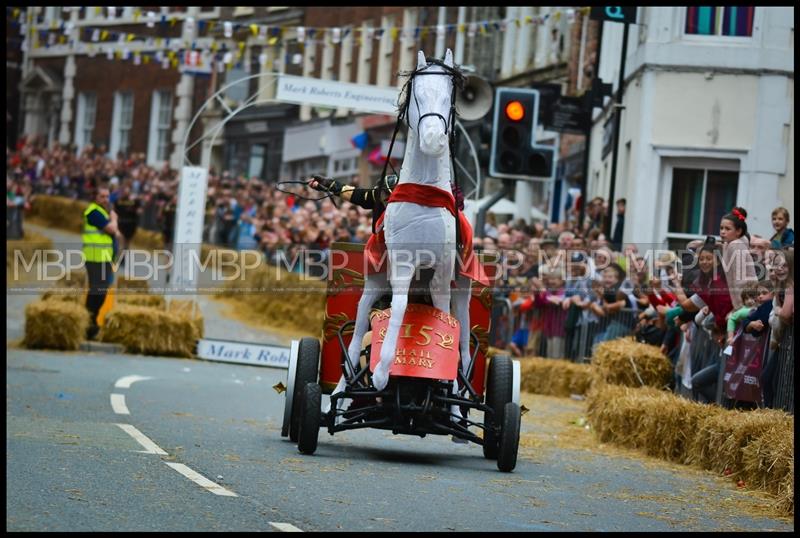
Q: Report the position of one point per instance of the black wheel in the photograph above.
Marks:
(306, 372)
(509, 438)
(499, 391)
(310, 419)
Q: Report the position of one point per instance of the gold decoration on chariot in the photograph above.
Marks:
(483, 338)
(333, 323)
(484, 295)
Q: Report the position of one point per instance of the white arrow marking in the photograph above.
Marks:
(128, 380)
(118, 404)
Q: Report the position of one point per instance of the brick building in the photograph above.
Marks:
(134, 79)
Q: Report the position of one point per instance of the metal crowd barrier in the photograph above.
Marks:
(502, 324)
(589, 334)
(784, 371)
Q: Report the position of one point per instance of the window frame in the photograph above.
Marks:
(720, 164)
(155, 129)
(81, 124)
(722, 39)
(117, 124)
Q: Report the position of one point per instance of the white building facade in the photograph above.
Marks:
(708, 122)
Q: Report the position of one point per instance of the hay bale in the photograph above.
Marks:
(655, 421)
(142, 299)
(626, 362)
(132, 284)
(147, 239)
(280, 299)
(58, 212)
(149, 331)
(191, 311)
(555, 377)
(73, 296)
(720, 438)
(73, 280)
(768, 463)
(55, 325)
(22, 252)
(756, 446)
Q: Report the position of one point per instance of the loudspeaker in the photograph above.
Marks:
(475, 100)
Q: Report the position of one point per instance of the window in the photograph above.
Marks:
(84, 124)
(257, 154)
(725, 21)
(237, 92)
(160, 127)
(122, 123)
(700, 198)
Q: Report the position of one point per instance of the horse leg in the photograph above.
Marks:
(461, 296)
(440, 295)
(372, 291)
(400, 281)
(373, 286)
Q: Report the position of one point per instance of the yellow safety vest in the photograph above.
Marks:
(98, 246)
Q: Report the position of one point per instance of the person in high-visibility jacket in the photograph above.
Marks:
(99, 231)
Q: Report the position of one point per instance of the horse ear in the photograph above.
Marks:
(421, 61)
(448, 58)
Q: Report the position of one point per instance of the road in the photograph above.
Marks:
(71, 466)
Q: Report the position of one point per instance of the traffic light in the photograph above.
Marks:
(514, 153)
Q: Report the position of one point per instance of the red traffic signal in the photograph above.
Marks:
(515, 111)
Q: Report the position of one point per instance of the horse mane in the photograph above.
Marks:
(455, 72)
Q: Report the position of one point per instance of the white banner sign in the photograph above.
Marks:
(188, 233)
(243, 353)
(333, 94)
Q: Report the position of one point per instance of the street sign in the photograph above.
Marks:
(243, 353)
(570, 116)
(189, 218)
(548, 95)
(333, 94)
(624, 14)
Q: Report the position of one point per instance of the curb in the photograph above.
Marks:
(101, 347)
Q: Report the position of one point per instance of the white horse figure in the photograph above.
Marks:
(413, 229)
(417, 235)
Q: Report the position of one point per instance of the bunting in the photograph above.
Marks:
(219, 37)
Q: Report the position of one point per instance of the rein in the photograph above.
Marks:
(304, 182)
(449, 129)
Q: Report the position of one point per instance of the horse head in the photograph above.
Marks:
(430, 104)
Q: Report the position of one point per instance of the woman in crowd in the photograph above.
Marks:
(736, 259)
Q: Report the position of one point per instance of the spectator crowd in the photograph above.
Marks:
(568, 286)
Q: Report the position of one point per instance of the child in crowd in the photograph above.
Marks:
(749, 298)
(758, 320)
(549, 299)
(784, 236)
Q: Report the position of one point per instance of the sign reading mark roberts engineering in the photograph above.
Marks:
(334, 94)
(243, 353)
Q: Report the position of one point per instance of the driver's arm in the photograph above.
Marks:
(361, 197)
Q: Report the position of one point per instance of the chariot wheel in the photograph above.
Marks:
(306, 371)
(509, 438)
(499, 392)
(310, 419)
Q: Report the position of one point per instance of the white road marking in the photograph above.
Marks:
(143, 440)
(128, 380)
(118, 404)
(201, 480)
(285, 527)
